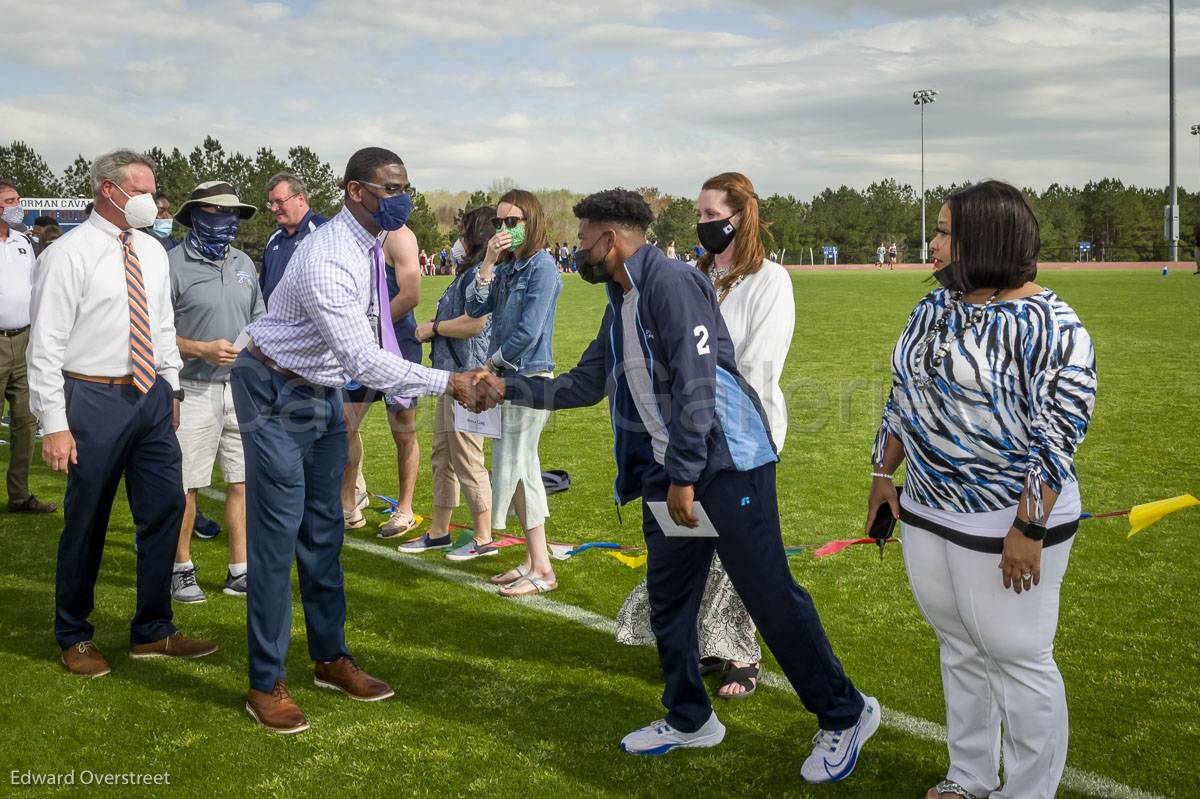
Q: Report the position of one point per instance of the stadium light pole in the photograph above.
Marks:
(1173, 211)
(924, 97)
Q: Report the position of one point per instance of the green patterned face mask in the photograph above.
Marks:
(518, 236)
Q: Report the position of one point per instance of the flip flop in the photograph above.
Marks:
(745, 676)
(504, 579)
(536, 586)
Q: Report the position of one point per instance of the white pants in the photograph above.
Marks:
(998, 669)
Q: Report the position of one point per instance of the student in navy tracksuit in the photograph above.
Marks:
(689, 428)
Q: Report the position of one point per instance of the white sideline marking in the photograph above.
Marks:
(1075, 779)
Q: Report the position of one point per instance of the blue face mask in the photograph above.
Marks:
(212, 233)
(393, 211)
(163, 227)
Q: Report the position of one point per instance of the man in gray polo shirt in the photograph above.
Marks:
(215, 292)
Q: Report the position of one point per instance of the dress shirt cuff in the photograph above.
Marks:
(497, 358)
(171, 375)
(438, 380)
(54, 422)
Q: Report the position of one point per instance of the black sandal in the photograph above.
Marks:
(711, 665)
(745, 676)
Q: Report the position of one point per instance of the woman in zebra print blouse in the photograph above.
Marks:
(993, 383)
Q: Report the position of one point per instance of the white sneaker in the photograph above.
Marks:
(835, 752)
(660, 738)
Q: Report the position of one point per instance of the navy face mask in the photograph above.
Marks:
(592, 273)
(945, 276)
(393, 211)
(212, 233)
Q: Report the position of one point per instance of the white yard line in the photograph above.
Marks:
(1076, 779)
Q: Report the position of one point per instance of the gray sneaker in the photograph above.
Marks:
(184, 587)
(472, 550)
(235, 586)
(425, 544)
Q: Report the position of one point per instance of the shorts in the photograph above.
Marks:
(209, 434)
(410, 350)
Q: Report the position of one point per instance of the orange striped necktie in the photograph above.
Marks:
(141, 344)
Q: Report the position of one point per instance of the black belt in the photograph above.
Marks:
(12, 333)
(983, 543)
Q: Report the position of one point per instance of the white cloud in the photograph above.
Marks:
(635, 93)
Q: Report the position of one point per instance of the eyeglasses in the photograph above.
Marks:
(390, 190)
(279, 203)
(509, 222)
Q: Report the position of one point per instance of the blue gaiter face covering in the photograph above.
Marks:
(212, 233)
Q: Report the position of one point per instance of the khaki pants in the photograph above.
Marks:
(14, 389)
(458, 463)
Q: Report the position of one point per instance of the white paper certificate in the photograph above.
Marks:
(673, 530)
(486, 424)
(241, 341)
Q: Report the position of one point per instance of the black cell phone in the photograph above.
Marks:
(884, 522)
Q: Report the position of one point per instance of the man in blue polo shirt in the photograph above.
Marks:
(287, 198)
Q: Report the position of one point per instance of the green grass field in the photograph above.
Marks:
(500, 697)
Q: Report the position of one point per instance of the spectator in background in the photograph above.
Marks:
(16, 284)
(39, 226)
(287, 199)
(518, 284)
(50, 234)
(459, 344)
(564, 257)
(671, 250)
(423, 261)
(215, 295)
(103, 334)
(163, 223)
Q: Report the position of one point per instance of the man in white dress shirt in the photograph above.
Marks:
(16, 270)
(103, 369)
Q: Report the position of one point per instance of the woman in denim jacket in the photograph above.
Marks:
(519, 285)
(459, 343)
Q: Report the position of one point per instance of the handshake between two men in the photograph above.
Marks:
(476, 391)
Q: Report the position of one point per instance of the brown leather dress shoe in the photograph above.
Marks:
(31, 505)
(174, 645)
(346, 676)
(85, 660)
(276, 711)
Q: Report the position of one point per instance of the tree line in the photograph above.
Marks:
(1121, 222)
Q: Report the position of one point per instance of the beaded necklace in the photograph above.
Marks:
(715, 276)
(939, 328)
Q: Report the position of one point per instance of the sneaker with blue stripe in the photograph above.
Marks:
(835, 752)
(660, 738)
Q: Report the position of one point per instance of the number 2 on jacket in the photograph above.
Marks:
(701, 332)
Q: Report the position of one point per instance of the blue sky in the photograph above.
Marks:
(799, 96)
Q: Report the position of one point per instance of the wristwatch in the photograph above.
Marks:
(1031, 530)
(435, 326)
(178, 394)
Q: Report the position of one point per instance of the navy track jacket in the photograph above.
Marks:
(714, 419)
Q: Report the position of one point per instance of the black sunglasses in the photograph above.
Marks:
(509, 222)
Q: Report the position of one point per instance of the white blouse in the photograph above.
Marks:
(760, 313)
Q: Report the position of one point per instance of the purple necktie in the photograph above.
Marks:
(387, 331)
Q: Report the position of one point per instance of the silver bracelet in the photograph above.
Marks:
(884, 475)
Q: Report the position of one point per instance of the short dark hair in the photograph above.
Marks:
(6, 184)
(45, 220)
(476, 227)
(363, 164)
(619, 206)
(994, 237)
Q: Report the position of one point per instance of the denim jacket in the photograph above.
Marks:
(522, 299)
(459, 354)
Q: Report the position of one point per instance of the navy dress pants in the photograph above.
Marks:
(119, 431)
(294, 438)
(743, 508)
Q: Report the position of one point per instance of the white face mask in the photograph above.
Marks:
(14, 216)
(140, 211)
(458, 253)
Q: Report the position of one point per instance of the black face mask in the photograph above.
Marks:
(945, 276)
(715, 236)
(592, 273)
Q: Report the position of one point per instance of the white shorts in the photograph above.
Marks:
(208, 433)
